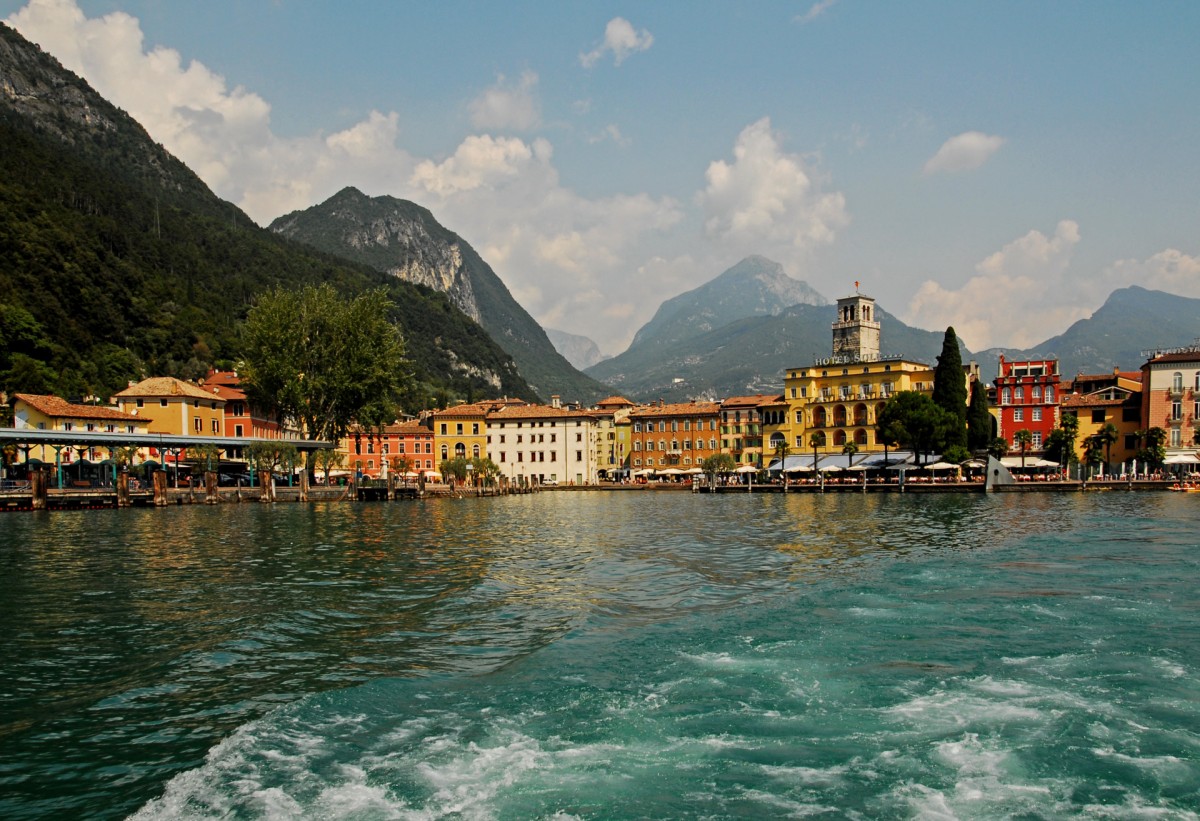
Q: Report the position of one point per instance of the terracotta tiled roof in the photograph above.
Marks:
(1089, 401)
(166, 386)
(473, 409)
(60, 408)
(615, 401)
(751, 401)
(225, 384)
(535, 412)
(678, 409)
(1170, 358)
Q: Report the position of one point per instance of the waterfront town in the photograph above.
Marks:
(824, 422)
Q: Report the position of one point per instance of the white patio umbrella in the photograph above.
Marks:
(694, 471)
(830, 469)
(798, 469)
(941, 466)
(670, 472)
(745, 469)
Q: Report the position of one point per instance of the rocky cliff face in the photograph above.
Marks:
(403, 239)
(404, 246)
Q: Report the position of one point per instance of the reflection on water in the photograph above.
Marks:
(135, 640)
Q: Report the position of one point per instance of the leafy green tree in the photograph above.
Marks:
(955, 454)
(326, 460)
(998, 447)
(269, 455)
(484, 470)
(455, 469)
(718, 464)
(981, 425)
(206, 457)
(1153, 451)
(324, 361)
(916, 422)
(1058, 447)
(1022, 439)
(950, 390)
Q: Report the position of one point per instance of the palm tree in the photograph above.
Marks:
(781, 453)
(1106, 436)
(817, 440)
(1023, 439)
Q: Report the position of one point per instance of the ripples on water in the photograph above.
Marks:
(605, 655)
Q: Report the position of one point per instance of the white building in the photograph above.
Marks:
(543, 443)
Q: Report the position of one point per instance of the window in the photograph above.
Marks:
(1018, 414)
(1006, 396)
(1037, 440)
(141, 403)
(475, 428)
(445, 452)
(1176, 411)
(162, 403)
(458, 429)
(1036, 392)
(443, 429)
(1037, 414)
(216, 426)
(403, 445)
(1049, 394)
(1176, 438)
(1177, 382)
(475, 451)
(1019, 394)
(68, 426)
(1098, 416)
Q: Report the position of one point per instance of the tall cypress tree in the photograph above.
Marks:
(950, 388)
(979, 419)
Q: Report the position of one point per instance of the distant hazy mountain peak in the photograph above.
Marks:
(756, 286)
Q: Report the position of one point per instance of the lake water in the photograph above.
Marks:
(606, 655)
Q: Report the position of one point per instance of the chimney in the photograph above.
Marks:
(556, 401)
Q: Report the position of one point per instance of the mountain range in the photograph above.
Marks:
(711, 343)
(117, 262)
(403, 240)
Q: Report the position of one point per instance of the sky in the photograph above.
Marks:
(996, 167)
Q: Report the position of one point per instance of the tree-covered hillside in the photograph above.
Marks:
(117, 262)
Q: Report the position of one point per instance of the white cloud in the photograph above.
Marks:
(767, 201)
(815, 11)
(508, 106)
(1171, 270)
(1017, 298)
(622, 39)
(964, 152)
(479, 161)
(611, 132)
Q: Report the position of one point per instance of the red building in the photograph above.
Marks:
(1027, 395)
(241, 418)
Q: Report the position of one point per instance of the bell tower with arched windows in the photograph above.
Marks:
(855, 330)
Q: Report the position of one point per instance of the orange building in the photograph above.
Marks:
(680, 435)
(402, 447)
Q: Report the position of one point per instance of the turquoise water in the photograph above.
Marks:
(620, 655)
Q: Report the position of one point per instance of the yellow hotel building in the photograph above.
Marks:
(834, 400)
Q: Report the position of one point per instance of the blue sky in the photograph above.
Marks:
(996, 167)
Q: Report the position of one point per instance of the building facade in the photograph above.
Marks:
(679, 435)
(543, 444)
(832, 403)
(1171, 397)
(41, 412)
(1027, 398)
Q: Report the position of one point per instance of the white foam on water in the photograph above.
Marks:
(824, 777)
(1170, 668)
(1166, 769)
(942, 711)
(782, 807)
